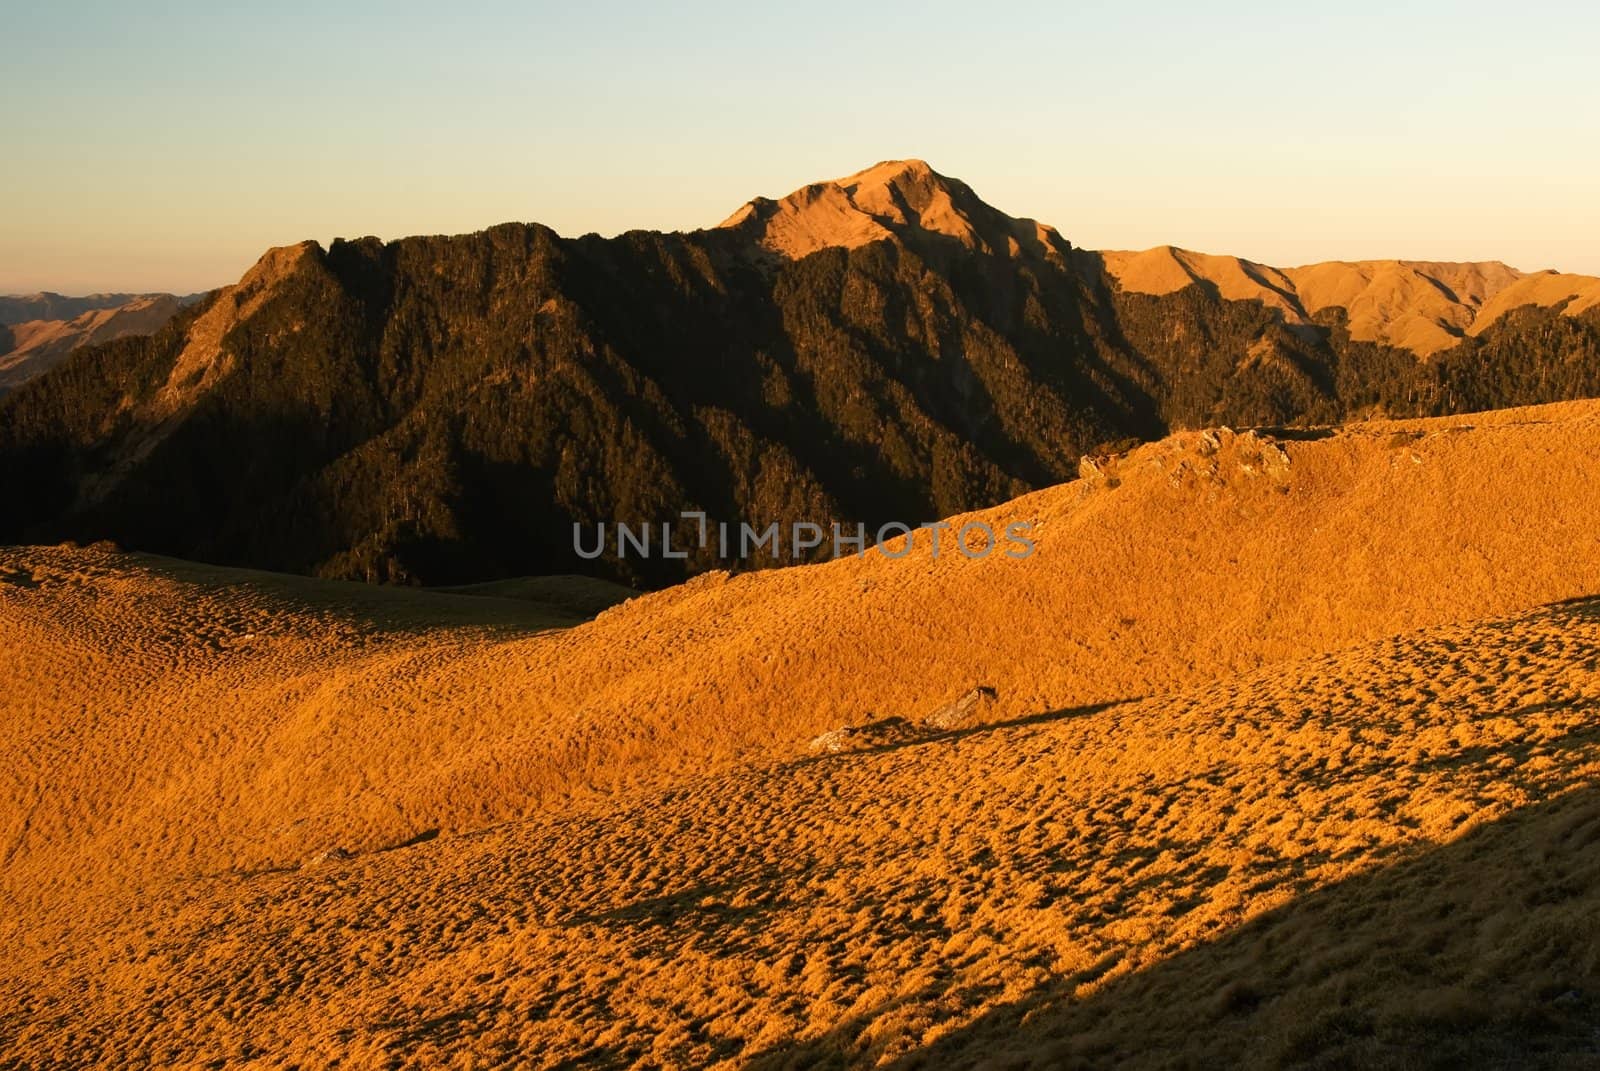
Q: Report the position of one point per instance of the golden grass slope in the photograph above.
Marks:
(1545, 289)
(1378, 857)
(1167, 269)
(164, 720)
(1422, 306)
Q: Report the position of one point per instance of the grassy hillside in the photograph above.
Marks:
(1378, 857)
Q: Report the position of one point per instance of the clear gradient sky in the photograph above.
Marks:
(164, 146)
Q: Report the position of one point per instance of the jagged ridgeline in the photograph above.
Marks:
(882, 348)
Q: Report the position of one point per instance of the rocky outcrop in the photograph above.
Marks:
(963, 711)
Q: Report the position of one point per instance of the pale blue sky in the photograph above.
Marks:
(165, 146)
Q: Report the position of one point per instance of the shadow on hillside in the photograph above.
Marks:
(1587, 605)
(1484, 952)
(1293, 434)
(913, 734)
(707, 908)
(369, 608)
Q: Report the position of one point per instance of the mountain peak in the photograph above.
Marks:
(893, 199)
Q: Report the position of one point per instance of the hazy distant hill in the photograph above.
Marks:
(39, 330)
(45, 305)
(883, 347)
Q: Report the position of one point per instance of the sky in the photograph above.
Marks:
(166, 146)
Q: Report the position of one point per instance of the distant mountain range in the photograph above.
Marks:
(37, 331)
(882, 347)
(1421, 306)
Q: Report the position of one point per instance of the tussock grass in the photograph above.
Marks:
(1267, 870)
(245, 814)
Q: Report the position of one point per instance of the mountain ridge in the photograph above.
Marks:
(885, 347)
(1418, 305)
(1421, 306)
